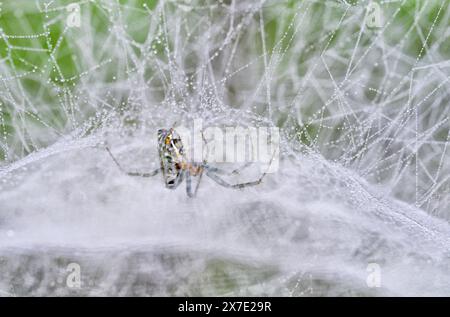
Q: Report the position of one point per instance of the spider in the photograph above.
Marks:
(175, 167)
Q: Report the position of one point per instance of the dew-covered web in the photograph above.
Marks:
(353, 100)
(373, 99)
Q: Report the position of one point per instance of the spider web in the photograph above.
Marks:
(373, 101)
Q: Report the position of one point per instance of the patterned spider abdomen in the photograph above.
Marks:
(171, 154)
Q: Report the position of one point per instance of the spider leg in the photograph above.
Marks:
(224, 172)
(149, 174)
(198, 182)
(224, 183)
(189, 184)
